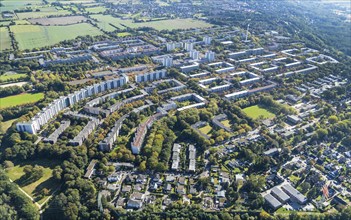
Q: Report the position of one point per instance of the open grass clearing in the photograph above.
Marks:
(36, 36)
(226, 123)
(256, 112)
(21, 99)
(12, 76)
(5, 40)
(10, 5)
(96, 10)
(6, 125)
(58, 21)
(34, 189)
(13, 84)
(206, 130)
(106, 21)
(44, 12)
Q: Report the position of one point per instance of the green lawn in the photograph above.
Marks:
(24, 98)
(5, 42)
(33, 189)
(257, 111)
(226, 123)
(12, 76)
(105, 22)
(206, 130)
(36, 36)
(6, 125)
(123, 34)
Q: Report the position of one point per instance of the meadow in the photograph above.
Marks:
(99, 9)
(36, 36)
(10, 5)
(169, 24)
(58, 21)
(24, 98)
(12, 76)
(44, 12)
(257, 112)
(206, 130)
(5, 42)
(34, 189)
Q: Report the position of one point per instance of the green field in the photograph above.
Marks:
(44, 12)
(24, 98)
(36, 36)
(206, 130)
(123, 34)
(257, 111)
(6, 125)
(99, 9)
(170, 24)
(10, 5)
(226, 123)
(34, 189)
(12, 76)
(5, 40)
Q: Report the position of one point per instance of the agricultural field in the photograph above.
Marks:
(34, 189)
(20, 99)
(258, 112)
(104, 22)
(170, 24)
(10, 5)
(9, 76)
(5, 42)
(44, 12)
(58, 21)
(36, 36)
(95, 10)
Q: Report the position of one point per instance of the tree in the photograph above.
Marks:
(305, 186)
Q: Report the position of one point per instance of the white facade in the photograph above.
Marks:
(210, 56)
(189, 46)
(194, 54)
(207, 40)
(47, 113)
(145, 77)
(167, 61)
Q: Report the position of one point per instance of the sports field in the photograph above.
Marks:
(5, 40)
(257, 111)
(20, 99)
(12, 76)
(105, 22)
(36, 36)
(34, 189)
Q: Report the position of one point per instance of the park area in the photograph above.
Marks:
(36, 36)
(5, 42)
(206, 130)
(108, 23)
(35, 178)
(12, 76)
(256, 112)
(21, 99)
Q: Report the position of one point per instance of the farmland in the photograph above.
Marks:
(20, 99)
(10, 5)
(58, 21)
(5, 42)
(170, 24)
(34, 189)
(257, 112)
(35, 36)
(44, 12)
(95, 9)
